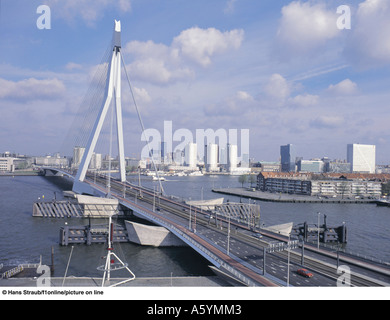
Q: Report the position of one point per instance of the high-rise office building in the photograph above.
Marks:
(78, 153)
(361, 157)
(288, 155)
(164, 154)
(211, 157)
(178, 157)
(191, 153)
(96, 161)
(223, 157)
(232, 157)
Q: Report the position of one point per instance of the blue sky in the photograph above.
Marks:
(281, 69)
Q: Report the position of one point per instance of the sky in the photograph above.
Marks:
(291, 72)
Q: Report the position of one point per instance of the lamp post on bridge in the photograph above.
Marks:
(228, 238)
(318, 232)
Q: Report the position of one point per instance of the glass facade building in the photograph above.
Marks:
(288, 155)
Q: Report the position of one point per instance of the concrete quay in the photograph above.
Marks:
(286, 198)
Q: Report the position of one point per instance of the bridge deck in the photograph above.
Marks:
(191, 237)
(208, 235)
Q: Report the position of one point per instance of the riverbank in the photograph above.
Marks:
(286, 198)
(20, 174)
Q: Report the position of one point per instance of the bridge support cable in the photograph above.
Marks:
(82, 124)
(141, 123)
(113, 88)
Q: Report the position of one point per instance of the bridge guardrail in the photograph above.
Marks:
(199, 248)
(12, 272)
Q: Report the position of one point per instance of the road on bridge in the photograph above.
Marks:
(241, 246)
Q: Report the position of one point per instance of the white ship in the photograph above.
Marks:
(158, 178)
(195, 174)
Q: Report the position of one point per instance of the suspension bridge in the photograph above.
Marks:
(234, 247)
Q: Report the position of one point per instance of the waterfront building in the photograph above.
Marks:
(78, 153)
(288, 155)
(361, 157)
(337, 166)
(190, 155)
(315, 166)
(133, 162)
(155, 156)
(382, 169)
(232, 153)
(284, 182)
(50, 161)
(164, 153)
(211, 157)
(7, 164)
(96, 161)
(268, 166)
(332, 185)
(178, 157)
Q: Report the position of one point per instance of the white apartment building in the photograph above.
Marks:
(361, 157)
(78, 153)
(7, 164)
(191, 155)
(347, 188)
(49, 161)
(96, 161)
(211, 157)
(303, 184)
(232, 157)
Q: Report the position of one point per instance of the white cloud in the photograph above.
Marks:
(244, 96)
(142, 95)
(200, 45)
(155, 63)
(345, 87)
(328, 122)
(277, 89)
(305, 27)
(305, 100)
(162, 64)
(369, 44)
(236, 105)
(73, 66)
(31, 89)
(149, 48)
(151, 70)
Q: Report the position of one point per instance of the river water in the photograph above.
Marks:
(24, 239)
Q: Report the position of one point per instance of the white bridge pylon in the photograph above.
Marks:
(113, 88)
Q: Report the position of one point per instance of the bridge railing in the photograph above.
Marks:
(218, 262)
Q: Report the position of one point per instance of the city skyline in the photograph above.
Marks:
(227, 155)
(267, 67)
